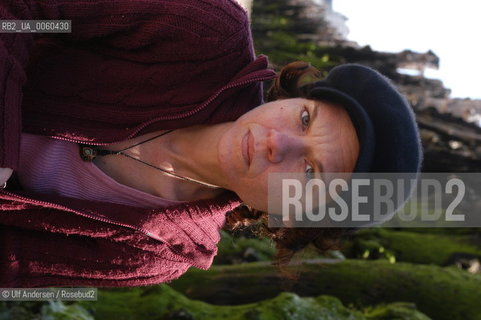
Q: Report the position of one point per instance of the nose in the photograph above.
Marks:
(280, 145)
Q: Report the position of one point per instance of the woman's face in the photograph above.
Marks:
(292, 135)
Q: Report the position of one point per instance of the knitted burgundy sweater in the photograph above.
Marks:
(128, 68)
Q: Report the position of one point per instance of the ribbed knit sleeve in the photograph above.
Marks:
(128, 62)
(119, 55)
(14, 49)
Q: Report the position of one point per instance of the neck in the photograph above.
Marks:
(190, 152)
(193, 152)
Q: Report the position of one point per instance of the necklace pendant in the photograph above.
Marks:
(87, 153)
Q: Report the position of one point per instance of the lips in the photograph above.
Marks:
(247, 149)
(250, 146)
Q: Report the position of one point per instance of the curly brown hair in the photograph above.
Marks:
(294, 80)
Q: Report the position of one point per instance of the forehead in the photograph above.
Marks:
(333, 137)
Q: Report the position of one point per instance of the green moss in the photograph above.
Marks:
(238, 249)
(399, 310)
(43, 310)
(57, 310)
(375, 243)
(162, 302)
(291, 306)
(412, 247)
(276, 32)
(288, 49)
(449, 231)
(235, 249)
(441, 293)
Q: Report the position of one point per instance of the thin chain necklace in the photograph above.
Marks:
(89, 153)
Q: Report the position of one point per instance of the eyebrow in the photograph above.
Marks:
(318, 163)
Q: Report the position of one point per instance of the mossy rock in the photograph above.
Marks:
(476, 232)
(414, 247)
(394, 311)
(376, 243)
(276, 28)
(42, 310)
(162, 302)
(440, 293)
(236, 249)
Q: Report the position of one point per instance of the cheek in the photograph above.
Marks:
(277, 117)
(292, 163)
(228, 154)
(255, 192)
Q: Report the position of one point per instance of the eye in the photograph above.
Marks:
(305, 118)
(309, 171)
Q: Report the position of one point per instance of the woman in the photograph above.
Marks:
(173, 86)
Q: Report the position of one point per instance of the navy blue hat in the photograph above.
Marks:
(384, 121)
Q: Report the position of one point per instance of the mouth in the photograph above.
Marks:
(245, 148)
(248, 148)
